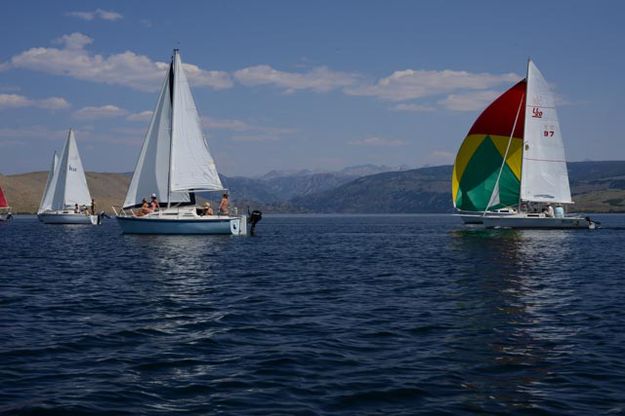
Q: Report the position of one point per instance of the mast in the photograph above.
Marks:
(172, 81)
(527, 83)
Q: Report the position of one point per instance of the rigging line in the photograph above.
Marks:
(503, 162)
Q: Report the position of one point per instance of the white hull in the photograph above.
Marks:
(67, 218)
(527, 221)
(183, 221)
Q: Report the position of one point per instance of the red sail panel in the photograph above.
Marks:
(3, 200)
(498, 118)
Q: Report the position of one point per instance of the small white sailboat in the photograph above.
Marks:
(5, 209)
(510, 171)
(66, 198)
(173, 165)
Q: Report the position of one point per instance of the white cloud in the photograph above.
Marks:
(410, 84)
(319, 79)
(96, 14)
(32, 132)
(441, 157)
(127, 68)
(105, 111)
(17, 101)
(473, 101)
(413, 107)
(142, 116)
(210, 123)
(254, 138)
(378, 142)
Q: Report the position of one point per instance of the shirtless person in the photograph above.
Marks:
(154, 203)
(223, 205)
(145, 209)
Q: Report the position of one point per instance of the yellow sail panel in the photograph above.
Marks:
(515, 153)
(470, 143)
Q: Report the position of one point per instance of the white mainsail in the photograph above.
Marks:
(544, 174)
(174, 159)
(48, 191)
(69, 182)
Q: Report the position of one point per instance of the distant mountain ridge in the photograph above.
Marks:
(596, 187)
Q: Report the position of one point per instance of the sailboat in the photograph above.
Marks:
(510, 171)
(66, 197)
(5, 209)
(173, 165)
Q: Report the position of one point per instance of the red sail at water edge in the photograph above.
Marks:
(3, 200)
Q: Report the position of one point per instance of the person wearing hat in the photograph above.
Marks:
(208, 210)
(154, 203)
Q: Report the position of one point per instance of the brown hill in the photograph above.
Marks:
(24, 190)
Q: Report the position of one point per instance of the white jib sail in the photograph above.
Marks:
(151, 174)
(69, 179)
(544, 174)
(192, 166)
(48, 191)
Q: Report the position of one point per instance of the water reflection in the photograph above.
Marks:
(514, 302)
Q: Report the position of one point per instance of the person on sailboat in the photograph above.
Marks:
(208, 210)
(76, 209)
(145, 209)
(154, 203)
(92, 206)
(223, 205)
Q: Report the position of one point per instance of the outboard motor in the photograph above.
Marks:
(101, 216)
(253, 218)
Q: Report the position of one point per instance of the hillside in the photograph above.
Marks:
(24, 191)
(596, 187)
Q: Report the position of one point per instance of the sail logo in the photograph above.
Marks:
(71, 169)
(536, 113)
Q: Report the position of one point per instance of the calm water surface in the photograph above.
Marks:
(339, 315)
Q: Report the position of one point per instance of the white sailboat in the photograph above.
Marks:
(510, 171)
(66, 197)
(173, 165)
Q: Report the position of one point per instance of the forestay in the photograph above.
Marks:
(544, 173)
(48, 191)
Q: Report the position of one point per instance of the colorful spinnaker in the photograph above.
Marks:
(497, 131)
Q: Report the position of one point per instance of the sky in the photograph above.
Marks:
(284, 85)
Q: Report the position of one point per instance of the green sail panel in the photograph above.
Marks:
(479, 179)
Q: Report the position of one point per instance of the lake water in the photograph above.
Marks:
(348, 315)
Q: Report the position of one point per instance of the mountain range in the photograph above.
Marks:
(596, 187)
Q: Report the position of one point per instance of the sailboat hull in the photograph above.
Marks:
(5, 217)
(214, 225)
(67, 218)
(521, 221)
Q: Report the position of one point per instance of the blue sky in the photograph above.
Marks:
(301, 85)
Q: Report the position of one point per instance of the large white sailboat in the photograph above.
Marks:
(510, 171)
(66, 198)
(173, 165)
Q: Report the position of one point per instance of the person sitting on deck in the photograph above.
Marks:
(208, 210)
(223, 205)
(154, 203)
(145, 209)
(92, 206)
